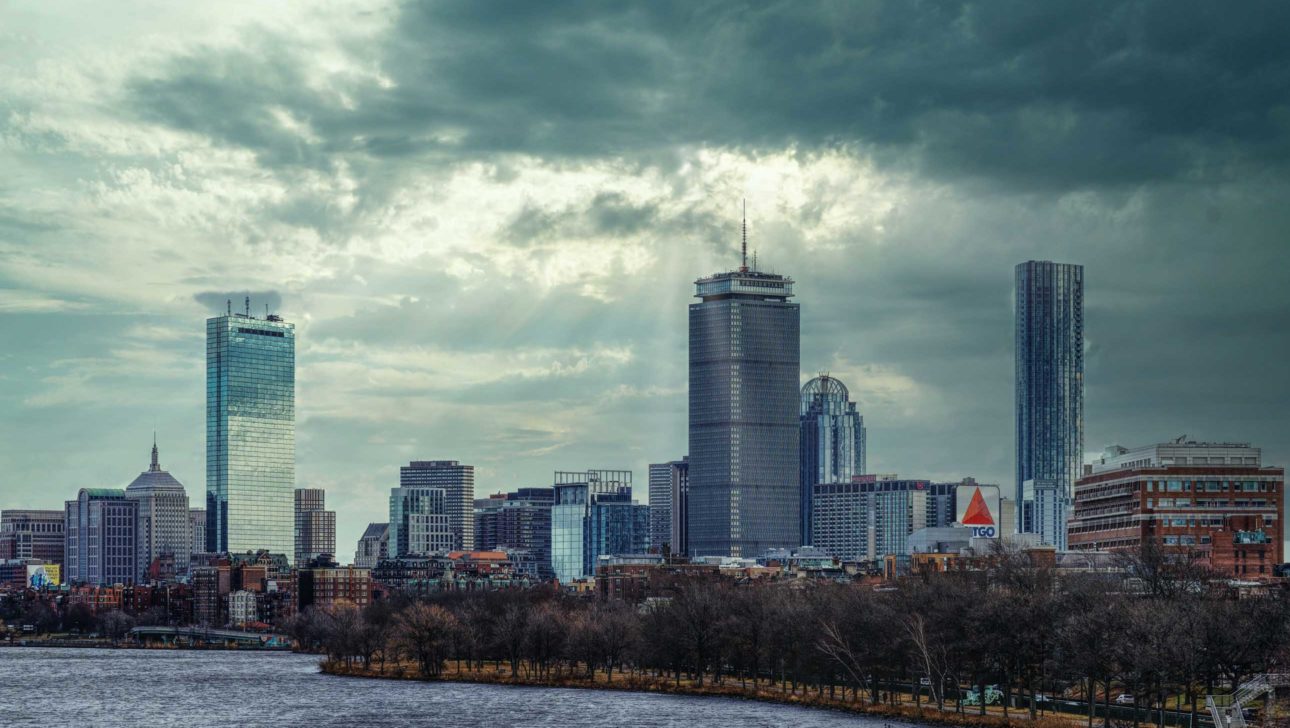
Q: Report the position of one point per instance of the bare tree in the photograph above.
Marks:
(423, 632)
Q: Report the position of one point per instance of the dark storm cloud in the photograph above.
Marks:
(1062, 94)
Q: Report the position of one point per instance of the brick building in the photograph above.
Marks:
(1217, 499)
(330, 586)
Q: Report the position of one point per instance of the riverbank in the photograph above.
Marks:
(106, 644)
(637, 683)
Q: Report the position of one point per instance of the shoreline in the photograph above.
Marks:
(95, 645)
(667, 686)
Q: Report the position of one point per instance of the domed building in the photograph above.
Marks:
(832, 442)
(163, 525)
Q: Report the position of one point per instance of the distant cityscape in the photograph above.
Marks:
(776, 484)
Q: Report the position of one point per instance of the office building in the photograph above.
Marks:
(1044, 510)
(744, 367)
(1049, 389)
(315, 533)
(100, 538)
(517, 522)
(458, 484)
(250, 434)
(669, 493)
(197, 526)
(419, 522)
(1217, 500)
(594, 515)
(872, 516)
(373, 546)
(831, 441)
(163, 528)
(29, 535)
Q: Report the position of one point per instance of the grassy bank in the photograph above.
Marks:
(646, 683)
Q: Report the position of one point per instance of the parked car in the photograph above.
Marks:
(925, 681)
(1042, 698)
(1124, 699)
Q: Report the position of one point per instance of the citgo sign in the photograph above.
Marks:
(978, 509)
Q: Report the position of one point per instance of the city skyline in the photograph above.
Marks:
(485, 268)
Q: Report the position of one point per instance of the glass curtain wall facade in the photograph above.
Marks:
(832, 441)
(1050, 384)
(593, 514)
(250, 434)
(744, 374)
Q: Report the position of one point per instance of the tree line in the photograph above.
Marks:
(1170, 631)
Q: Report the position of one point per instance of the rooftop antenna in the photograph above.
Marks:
(266, 310)
(248, 306)
(743, 268)
(156, 466)
(229, 302)
(754, 267)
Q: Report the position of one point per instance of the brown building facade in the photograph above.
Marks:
(1215, 499)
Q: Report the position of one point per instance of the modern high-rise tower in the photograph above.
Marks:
(315, 526)
(458, 484)
(250, 434)
(1050, 393)
(744, 367)
(832, 441)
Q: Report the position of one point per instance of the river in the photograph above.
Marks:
(191, 689)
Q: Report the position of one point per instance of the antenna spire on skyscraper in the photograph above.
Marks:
(156, 464)
(743, 266)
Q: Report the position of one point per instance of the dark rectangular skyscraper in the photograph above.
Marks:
(250, 434)
(744, 375)
(1050, 386)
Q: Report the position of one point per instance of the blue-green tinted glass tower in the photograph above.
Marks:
(1050, 386)
(832, 441)
(745, 358)
(593, 515)
(250, 434)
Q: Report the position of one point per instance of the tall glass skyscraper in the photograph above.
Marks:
(832, 441)
(250, 434)
(744, 367)
(1050, 389)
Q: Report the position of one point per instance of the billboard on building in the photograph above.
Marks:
(43, 575)
(978, 509)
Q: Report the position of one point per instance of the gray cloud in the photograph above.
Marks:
(1066, 94)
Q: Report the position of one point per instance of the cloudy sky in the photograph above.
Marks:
(485, 220)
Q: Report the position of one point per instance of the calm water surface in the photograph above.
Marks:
(56, 686)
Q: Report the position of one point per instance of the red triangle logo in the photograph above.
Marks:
(977, 512)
